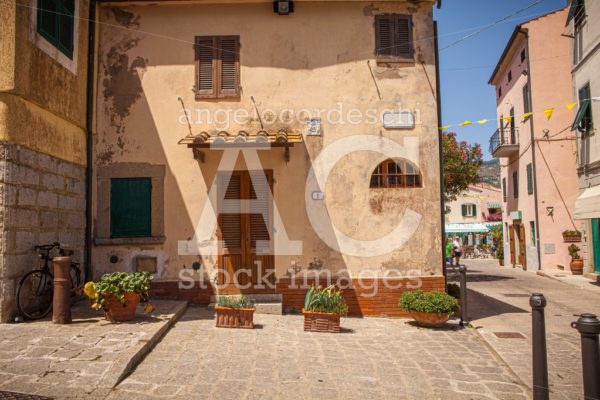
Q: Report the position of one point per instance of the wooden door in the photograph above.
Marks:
(246, 254)
(511, 237)
(522, 248)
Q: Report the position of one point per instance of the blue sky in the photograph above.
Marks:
(465, 68)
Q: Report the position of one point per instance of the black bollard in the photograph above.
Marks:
(463, 295)
(537, 301)
(588, 326)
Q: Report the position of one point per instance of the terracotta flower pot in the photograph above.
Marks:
(429, 320)
(321, 322)
(228, 317)
(576, 266)
(115, 311)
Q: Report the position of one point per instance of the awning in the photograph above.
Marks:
(467, 228)
(588, 204)
(494, 204)
(583, 109)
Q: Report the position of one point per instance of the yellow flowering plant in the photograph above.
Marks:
(117, 284)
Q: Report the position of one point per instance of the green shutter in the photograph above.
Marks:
(464, 210)
(596, 243)
(529, 179)
(56, 23)
(474, 210)
(526, 105)
(130, 207)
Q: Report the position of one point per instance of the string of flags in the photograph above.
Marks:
(548, 112)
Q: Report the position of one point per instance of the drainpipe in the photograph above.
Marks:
(438, 92)
(533, 163)
(89, 122)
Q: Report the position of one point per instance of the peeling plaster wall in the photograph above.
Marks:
(305, 60)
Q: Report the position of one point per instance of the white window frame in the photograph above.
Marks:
(470, 210)
(49, 48)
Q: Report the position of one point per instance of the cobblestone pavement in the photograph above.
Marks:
(82, 360)
(375, 358)
(499, 302)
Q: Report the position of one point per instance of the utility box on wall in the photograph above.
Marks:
(145, 264)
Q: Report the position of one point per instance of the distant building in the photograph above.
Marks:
(586, 84)
(474, 212)
(537, 154)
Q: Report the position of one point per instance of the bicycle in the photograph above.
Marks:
(35, 289)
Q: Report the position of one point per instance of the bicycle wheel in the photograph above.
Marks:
(75, 278)
(34, 294)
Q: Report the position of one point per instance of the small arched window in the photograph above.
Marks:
(395, 174)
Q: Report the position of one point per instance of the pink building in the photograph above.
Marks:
(537, 154)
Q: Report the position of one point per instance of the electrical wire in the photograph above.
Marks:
(503, 19)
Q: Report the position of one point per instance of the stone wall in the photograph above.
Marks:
(42, 200)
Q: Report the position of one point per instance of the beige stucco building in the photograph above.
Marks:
(585, 49)
(537, 152)
(297, 115)
(43, 77)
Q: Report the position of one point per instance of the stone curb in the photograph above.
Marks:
(123, 366)
(501, 360)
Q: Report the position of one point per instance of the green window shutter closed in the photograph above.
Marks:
(529, 179)
(130, 207)
(55, 22)
(474, 210)
(526, 105)
(464, 210)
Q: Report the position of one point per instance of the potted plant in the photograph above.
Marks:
(119, 293)
(429, 309)
(235, 312)
(323, 308)
(576, 261)
(500, 254)
(571, 236)
(453, 290)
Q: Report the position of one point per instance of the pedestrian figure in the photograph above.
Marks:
(457, 250)
(449, 252)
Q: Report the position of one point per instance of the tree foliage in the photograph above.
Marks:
(461, 163)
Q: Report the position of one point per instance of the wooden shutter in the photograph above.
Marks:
(130, 207)
(515, 185)
(231, 217)
(529, 179)
(259, 192)
(464, 210)
(403, 31)
(393, 37)
(384, 35)
(228, 66)
(66, 26)
(206, 55)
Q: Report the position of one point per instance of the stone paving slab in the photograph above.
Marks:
(374, 358)
(84, 359)
(498, 301)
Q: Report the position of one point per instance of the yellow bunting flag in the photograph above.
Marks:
(570, 106)
(508, 119)
(465, 123)
(527, 115)
(445, 127)
(482, 121)
(548, 112)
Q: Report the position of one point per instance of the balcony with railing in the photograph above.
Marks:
(504, 142)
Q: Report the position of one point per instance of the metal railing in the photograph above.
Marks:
(504, 137)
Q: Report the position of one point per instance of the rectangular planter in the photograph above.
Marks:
(235, 317)
(572, 239)
(321, 322)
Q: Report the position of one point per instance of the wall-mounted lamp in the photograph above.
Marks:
(283, 7)
(550, 211)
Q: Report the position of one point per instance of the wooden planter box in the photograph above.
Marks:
(235, 317)
(572, 239)
(321, 322)
(116, 312)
